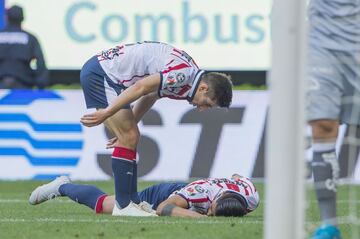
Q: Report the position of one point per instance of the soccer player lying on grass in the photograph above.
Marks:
(206, 197)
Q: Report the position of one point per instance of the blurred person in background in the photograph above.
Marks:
(20, 52)
(333, 95)
(229, 197)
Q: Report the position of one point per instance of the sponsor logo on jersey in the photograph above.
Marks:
(110, 54)
(199, 189)
(190, 191)
(170, 80)
(180, 77)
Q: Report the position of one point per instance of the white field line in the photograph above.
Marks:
(309, 224)
(72, 220)
(9, 200)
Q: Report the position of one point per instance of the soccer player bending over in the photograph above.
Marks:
(233, 197)
(142, 72)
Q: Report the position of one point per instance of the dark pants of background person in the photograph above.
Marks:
(8, 82)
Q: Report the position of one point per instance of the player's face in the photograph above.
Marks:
(211, 211)
(201, 100)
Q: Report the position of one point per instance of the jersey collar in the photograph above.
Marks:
(195, 85)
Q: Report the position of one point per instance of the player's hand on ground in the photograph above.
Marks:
(236, 176)
(112, 143)
(95, 118)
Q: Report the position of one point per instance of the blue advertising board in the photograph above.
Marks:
(2, 12)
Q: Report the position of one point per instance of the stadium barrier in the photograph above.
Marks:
(41, 137)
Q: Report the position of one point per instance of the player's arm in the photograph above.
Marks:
(236, 176)
(176, 206)
(143, 87)
(143, 105)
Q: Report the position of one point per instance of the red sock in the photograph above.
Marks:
(123, 166)
(124, 153)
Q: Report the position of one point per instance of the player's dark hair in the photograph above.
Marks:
(220, 88)
(231, 204)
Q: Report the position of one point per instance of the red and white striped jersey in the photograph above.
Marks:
(129, 63)
(201, 193)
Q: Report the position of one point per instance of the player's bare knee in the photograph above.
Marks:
(108, 205)
(324, 129)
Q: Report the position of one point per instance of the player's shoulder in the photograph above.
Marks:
(194, 188)
(31, 35)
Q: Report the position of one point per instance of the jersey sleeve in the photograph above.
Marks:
(193, 193)
(175, 80)
(248, 190)
(253, 201)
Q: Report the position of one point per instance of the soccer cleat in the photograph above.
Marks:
(131, 210)
(147, 207)
(327, 231)
(48, 191)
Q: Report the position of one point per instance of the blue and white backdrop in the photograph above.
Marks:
(41, 137)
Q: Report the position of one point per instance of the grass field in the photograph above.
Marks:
(61, 218)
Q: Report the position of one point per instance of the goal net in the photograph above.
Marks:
(292, 209)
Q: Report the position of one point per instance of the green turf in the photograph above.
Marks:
(61, 218)
(249, 87)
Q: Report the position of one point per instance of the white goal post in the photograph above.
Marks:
(285, 165)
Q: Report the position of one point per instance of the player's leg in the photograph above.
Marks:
(99, 91)
(108, 205)
(323, 112)
(156, 194)
(87, 195)
(124, 164)
(152, 195)
(325, 167)
(48, 191)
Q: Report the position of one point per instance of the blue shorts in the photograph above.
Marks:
(99, 90)
(158, 193)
